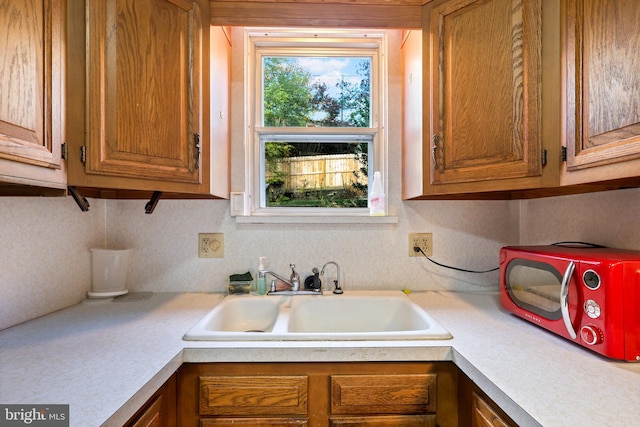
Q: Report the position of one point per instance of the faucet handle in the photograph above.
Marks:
(295, 278)
(293, 272)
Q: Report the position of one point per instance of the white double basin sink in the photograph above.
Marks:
(354, 315)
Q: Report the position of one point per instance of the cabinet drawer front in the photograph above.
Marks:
(384, 421)
(253, 395)
(254, 422)
(358, 394)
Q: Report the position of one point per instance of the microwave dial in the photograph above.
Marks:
(591, 279)
(592, 308)
(591, 335)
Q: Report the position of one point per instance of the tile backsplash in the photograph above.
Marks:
(45, 262)
(44, 256)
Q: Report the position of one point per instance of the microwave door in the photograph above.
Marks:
(564, 299)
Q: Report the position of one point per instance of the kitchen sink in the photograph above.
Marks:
(355, 315)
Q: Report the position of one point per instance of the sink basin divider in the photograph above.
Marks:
(282, 321)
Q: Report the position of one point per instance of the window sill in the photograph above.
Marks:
(316, 219)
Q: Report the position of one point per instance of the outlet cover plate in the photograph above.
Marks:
(424, 241)
(211, 245)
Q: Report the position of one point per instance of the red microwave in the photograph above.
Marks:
(586, 294)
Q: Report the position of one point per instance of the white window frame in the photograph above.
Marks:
(260, 42)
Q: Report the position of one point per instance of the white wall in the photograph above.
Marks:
(610, 218)
(44, 257)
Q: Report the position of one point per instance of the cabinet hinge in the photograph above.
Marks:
(83, 154)
(196, 143)
(544, 158)
(63, 151)
(563, 154)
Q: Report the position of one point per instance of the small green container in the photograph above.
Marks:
(242, 287)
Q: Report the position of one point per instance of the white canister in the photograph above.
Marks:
(109, 270)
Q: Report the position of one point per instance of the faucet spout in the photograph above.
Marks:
(293, 282)
(336, 283)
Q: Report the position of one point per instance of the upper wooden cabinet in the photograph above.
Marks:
(138, 96)
(485, 90)
(603, 89)
(508, 83)
(143, 89)
(485, 104)
(31, 105)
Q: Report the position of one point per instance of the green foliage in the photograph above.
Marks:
(287, 93)
(291, 97)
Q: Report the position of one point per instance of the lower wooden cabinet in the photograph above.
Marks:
(160, 409)
(477, 409)
(399, 394)
(338, 394)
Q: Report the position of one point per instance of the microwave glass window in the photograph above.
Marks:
(534, 286)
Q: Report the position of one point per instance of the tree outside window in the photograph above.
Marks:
(316, 92)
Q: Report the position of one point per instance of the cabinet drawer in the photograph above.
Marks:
(253, 395)
(392, 394)
(254, 422)
(384, 421)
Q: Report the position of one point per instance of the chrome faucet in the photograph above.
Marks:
(293, 282)
(336, 283)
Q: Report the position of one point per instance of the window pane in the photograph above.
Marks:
(305, 173)
(316, 91)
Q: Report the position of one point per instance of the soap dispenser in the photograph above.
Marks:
(261, 285)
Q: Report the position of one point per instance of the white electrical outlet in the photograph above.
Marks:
(424, 241)
(211, 245)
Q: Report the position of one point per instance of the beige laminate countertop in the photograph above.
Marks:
(105, 359)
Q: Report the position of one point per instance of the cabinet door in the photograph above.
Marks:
(143, 89)
(483, 415)
(476, 409)
(160, 409)
(484, 92)
(31, 60)
(603, 82)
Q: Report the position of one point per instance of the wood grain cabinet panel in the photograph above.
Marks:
(483, 415)
(253, 395)
(138, 90)
(384, 421)
(253, 422)
(490, 108)
(603, 82)
(476, 409)
(318, 394)
(31, 104)
(391, 394)
(159, 410)
(143, 89)
(485, 90)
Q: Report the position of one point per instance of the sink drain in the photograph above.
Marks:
(254, 330)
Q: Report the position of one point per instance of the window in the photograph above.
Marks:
(317, 114)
